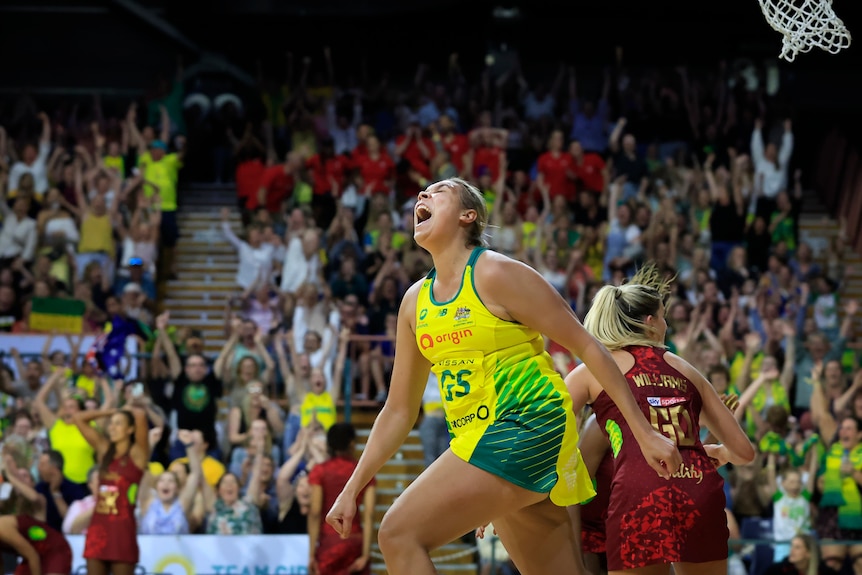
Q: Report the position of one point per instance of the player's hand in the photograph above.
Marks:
(730, 400)
(480, 531)
(358, 565)
(661, 453)
(717, 453)
(340, 517)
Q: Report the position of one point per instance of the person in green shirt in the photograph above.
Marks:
(782, 222)
(162, 170)
(840, 516)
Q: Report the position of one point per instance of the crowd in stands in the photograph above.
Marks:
(586, 176)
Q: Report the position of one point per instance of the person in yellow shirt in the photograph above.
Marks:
(96, 243)
(161, 169)
(65, 437)
(213, 469)
(317, 403)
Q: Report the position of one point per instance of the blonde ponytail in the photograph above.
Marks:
(617, 315)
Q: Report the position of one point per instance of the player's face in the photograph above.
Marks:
(119, 428)
(658, 323)
(436, 209)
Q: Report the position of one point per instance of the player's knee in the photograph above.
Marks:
(393, 533)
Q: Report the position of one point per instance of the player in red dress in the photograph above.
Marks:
(329, 553)
(591, 515)
(112, 537)
(653, 522)
(43, 549)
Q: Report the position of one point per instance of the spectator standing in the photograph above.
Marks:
(255, 256)
(556, 169)
(770, 165)
(77, 455)
(196, 390)
(342, 126)
(34, 160)
(18, 237)
(161, 170)
(589, 122)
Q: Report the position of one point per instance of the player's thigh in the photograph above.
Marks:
(658, 569)
(540, 539)
(708, 568)
(96, 567)
(447, 500)
(118, 568)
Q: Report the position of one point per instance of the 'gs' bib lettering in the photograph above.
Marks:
(464, 392)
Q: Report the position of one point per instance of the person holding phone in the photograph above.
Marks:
(43, 549)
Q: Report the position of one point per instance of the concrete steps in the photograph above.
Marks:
(206, 264)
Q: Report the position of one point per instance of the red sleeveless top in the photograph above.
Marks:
(112, 534)
(595, 511)
(653, 520)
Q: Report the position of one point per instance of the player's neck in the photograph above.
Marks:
(450, 263)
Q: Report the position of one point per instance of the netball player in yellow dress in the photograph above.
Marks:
(477, 320)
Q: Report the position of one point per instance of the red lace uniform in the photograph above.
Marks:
(113, 535)
(53, 549)
(335, 555)
(594, 514)
(653, 520)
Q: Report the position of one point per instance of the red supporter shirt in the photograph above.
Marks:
(413, 154)
(457, 145)
(554, 168)
(278, 186)
(332, 476)
(376, 172)
(488, 158)
(323, 170)
(589, 172)
(247, 177)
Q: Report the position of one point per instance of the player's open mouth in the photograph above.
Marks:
(423, 214)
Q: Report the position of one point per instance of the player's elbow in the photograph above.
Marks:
(745, 453)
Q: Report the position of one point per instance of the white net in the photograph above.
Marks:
(806, 24)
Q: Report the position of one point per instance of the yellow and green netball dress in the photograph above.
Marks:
(507, 410)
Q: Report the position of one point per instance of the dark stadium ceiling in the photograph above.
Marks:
(365, 7)
(676, 10)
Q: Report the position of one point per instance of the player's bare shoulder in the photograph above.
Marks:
(684, 368)
(407, 311)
